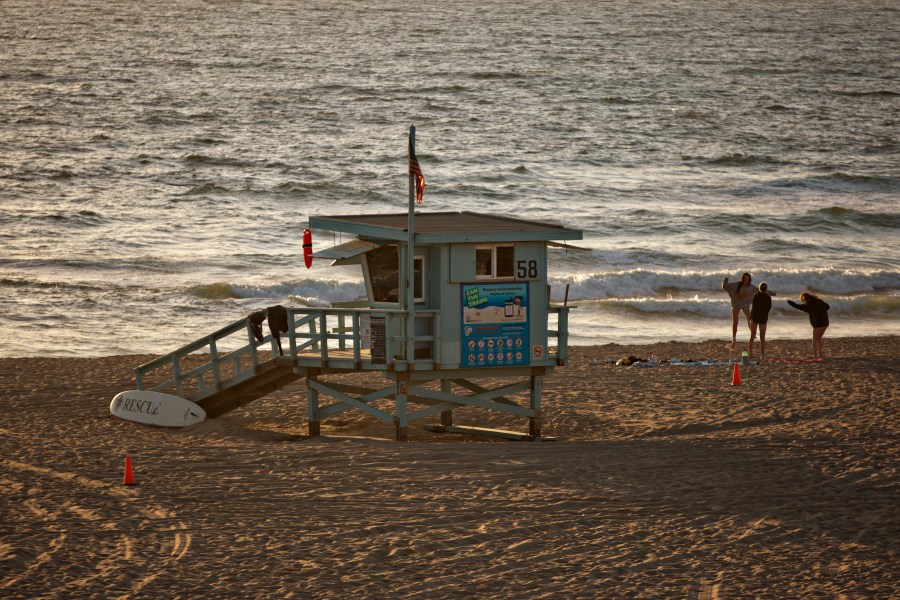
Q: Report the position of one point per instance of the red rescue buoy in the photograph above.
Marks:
(307, 247)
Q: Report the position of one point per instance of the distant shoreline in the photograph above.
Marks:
(774, 340)
(774, 343)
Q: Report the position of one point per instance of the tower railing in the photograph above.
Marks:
(329, 338)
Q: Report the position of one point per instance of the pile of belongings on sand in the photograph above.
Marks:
(627, 361)
(635, 361)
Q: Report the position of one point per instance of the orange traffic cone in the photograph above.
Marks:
(736, 378)
(129, 473)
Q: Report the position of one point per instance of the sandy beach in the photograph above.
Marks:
(663, 482)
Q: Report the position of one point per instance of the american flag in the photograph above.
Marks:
(416, 171)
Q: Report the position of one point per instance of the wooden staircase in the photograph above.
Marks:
(230, 367)
(223, 381)
(270, 376)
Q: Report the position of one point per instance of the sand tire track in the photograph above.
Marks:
(55, 567)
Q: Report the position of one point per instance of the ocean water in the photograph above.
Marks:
(159, 160)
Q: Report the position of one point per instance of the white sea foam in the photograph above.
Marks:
(308, 292)
(641, 283)
(870, 307)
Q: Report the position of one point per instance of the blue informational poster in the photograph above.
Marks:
(495, 325)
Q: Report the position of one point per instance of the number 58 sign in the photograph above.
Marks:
(526, 269)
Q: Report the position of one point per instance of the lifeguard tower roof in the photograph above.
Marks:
(446, 227)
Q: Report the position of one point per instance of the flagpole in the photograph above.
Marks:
(411, 259)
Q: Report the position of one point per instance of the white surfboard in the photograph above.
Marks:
(156, 408)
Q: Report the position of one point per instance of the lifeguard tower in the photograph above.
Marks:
(452, 299)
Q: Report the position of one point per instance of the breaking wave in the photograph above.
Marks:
(645, 283)
(307, 292)
(868, 307)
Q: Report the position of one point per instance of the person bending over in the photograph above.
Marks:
(817, 309)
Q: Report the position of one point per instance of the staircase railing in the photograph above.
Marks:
(222, 365)
(316, 337)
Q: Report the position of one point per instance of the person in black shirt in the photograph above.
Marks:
(817, 309)
(278, 323)
(759, 317)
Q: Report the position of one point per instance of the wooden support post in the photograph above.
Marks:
(357, 343)
(216, 367)
(447, 415)
(254, 357)
(400, 417)
(176, 374)
(292, 334)
(562, 341)
(534, 423)
(312, 331)
(312, 396)
(323, 327)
